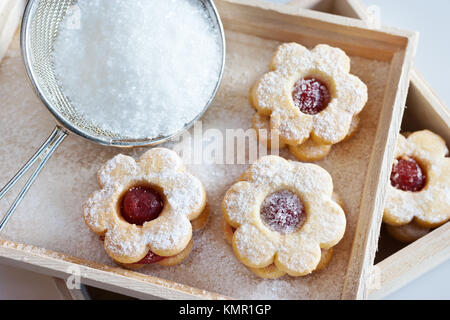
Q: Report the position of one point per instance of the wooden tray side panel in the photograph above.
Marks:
(424, 111)
(368, 229)
(410, 263)
(351, 8)
(101, 276)
(346, 8)
(282, 24)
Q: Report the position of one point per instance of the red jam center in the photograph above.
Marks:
(311, 95)
(141, 204)
(407, 175)
(283, 212)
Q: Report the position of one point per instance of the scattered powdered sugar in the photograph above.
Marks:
(135, 67)
(51, 215)
(31, 249)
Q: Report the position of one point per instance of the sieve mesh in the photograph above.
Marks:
(43, 19)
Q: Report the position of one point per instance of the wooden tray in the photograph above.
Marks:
(49, 220)
(398, 264)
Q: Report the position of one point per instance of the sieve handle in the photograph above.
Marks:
(44, 153)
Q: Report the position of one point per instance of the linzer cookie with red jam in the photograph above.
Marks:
(281, 218)
(418, 196)
(308, 101)
(146, 210)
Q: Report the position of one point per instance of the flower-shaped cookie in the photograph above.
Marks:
(158, 180)
(309, 94)
(420, 182)
(284, 215)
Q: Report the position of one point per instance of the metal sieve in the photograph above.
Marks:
(40, 24)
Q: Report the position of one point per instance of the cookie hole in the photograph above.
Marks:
(312, 94)
(141, 203)
(283, 212)
(408, 175)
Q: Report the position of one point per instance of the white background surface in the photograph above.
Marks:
(433, 61)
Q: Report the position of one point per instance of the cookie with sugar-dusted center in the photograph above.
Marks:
(145, 206)
(309, 94)
(283, 214)
(419, 189)
(228, 230)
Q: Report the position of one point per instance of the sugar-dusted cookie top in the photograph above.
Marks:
(308, 151)
(284, 214)
(309, 94)
(420, 182)
(158, 183)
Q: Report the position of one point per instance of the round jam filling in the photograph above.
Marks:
(311, 95)
(283, 212)
(150, 258)
(141, 204)
(407, 175)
